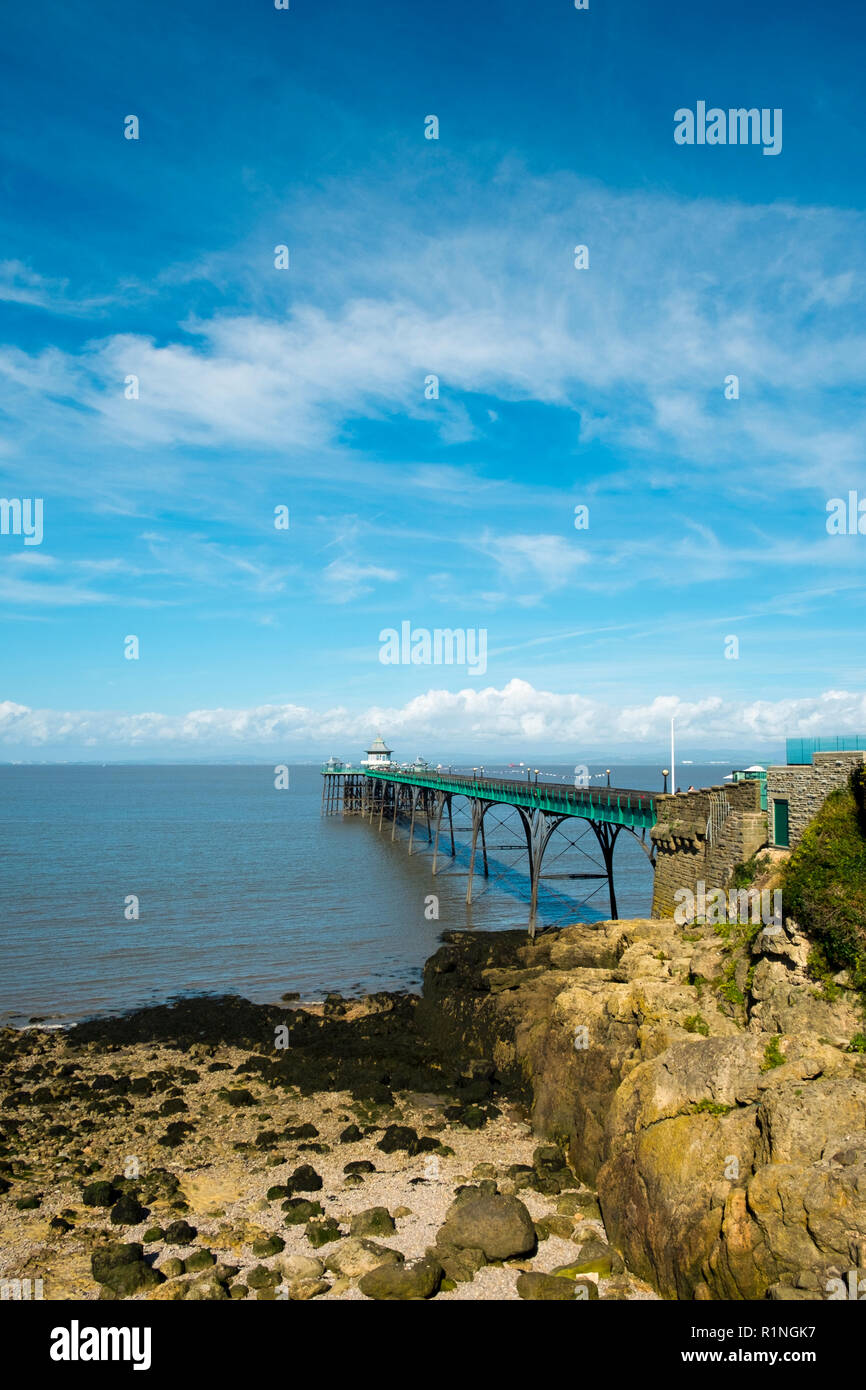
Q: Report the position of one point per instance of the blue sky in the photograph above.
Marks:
(305, 387)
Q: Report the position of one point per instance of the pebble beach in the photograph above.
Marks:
(180, 1153)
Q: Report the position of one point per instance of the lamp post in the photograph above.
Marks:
(665, 774)
(607, 770)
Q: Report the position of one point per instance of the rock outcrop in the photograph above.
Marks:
(696, 1076)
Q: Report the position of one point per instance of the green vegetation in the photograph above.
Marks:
(857, 1043)
(819, 969)
(695, 1023)
(711, 1107)
(744, 875)
(728, 987)
(824, 884)
(773, 1056)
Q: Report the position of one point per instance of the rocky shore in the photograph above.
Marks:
(218, 1149)
(699, 1079)
(622, 1110)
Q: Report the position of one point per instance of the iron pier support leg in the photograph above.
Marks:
(476, 824)
(607, 836)
(396, 794)
(439, 802)
(533, 902)
(613, 908)
(538, 833)
(412, 820)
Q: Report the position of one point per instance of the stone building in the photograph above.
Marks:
(700, 837)
(797, 790)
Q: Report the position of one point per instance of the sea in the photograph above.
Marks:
(124, 885)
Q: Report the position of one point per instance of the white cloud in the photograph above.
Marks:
(514, 719)
(679, 294)
(547, 561)
(21, 285)
(345, 579)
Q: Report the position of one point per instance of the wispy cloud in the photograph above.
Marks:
(343, 580)
(21, 285)
(494, 307)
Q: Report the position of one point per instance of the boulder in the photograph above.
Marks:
(547, 1287)
(123, 1270)
(302, 1290)
(205, 1289)
(100, 1194)
(355, 1257)
(397, 1138)
(197, 1261)
(128, 1212)
(596, 1257)
(305, 1179)
(180, 1233)
(375, 1221)
(390, 1281)
(300, 1267)
(460, 1266)
(499, 1226)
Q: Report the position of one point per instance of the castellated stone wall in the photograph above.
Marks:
(701, 836)
(806, 787)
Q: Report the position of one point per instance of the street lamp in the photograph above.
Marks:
(537, 770)
(666, 775)
(607, 770)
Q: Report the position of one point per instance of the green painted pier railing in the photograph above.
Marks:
(428, 793)
(606, 805)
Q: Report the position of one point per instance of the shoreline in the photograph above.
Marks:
(45, 1023)
(649, 1112)
(297, 1171)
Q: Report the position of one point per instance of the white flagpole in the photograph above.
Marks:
(673, 763)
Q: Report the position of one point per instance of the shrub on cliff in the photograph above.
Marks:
(824, 884)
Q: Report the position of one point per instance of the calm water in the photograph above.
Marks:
(246, 889)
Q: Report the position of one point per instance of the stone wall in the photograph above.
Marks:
(805, 787)
(701, 836)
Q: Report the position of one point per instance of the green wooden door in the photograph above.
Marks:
(780, 824)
